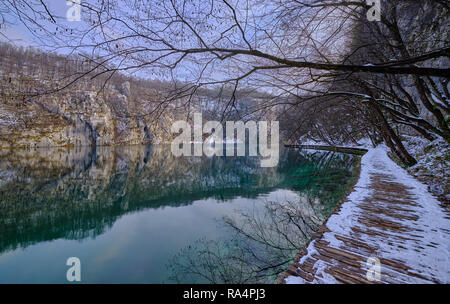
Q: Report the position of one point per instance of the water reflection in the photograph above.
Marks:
(76, 194)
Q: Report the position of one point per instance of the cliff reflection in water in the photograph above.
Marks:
(49, 194)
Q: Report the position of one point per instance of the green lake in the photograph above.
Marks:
(139, 214)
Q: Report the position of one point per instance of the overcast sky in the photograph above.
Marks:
(14, 31)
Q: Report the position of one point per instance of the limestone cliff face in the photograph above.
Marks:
(81, 118)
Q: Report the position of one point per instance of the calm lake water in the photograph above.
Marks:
(140, 215)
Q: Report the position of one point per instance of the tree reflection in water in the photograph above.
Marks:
(76, 194)
(264, 239)
(263, 242)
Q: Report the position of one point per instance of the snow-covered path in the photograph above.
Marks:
(390, 217)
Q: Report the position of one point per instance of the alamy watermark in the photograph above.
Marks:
(73, 274)
(374, 12)
(184, 145)
(74, 11)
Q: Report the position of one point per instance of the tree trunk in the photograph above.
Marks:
(391, 139)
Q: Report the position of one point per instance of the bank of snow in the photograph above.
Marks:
(433, 164)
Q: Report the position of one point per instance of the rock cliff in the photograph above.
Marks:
(81, 118)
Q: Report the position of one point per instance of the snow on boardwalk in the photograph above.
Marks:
(389, 216)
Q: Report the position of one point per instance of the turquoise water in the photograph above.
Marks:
(140, 215)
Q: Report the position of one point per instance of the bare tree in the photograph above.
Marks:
(298, 51)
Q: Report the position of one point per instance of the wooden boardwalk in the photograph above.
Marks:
(358, 151)
(389, 216)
